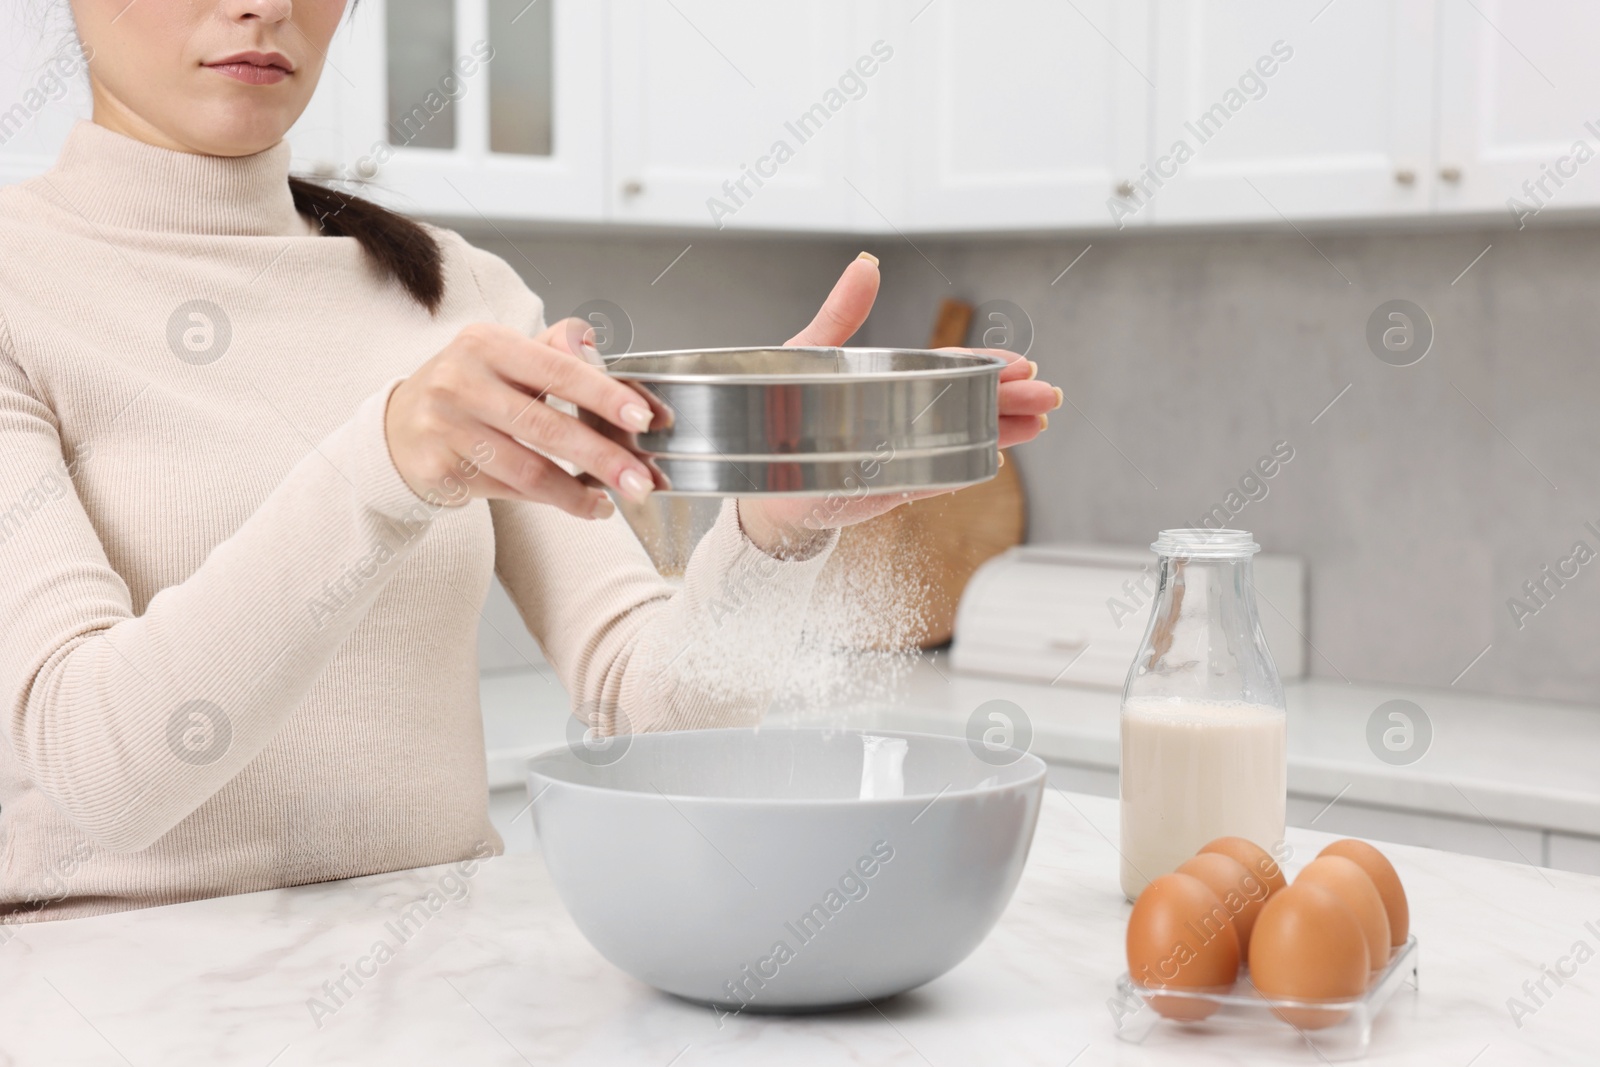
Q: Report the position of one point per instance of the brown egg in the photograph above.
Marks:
(1241, 892)
(1308, 945)
(1383, 875)
(1347, 879)
(1180, 936)
(1256, 860)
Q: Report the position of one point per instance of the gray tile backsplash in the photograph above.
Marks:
(1423, 498)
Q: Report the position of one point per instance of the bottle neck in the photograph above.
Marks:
(1204, 639)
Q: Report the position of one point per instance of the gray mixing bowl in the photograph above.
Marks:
(785, 869)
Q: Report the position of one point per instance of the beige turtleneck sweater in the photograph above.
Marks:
(236, 651)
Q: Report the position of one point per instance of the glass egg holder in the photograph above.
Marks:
(1243, 1013)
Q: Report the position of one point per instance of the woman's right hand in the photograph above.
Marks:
(454, 427)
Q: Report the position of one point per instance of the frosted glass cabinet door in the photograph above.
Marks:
(731, 114)
(1297, 109)
(1024, 113)
(477, 109)
(1519, 106)
(44, 87)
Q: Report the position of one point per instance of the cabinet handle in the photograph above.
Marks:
(1124, 188)
(1450, 173)
(1405, 176)
(632, 188)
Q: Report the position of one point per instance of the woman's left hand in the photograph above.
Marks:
(787, 526)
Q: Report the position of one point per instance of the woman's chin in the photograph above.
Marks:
(235, 124)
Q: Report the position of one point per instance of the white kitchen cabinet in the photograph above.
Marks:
(1267, 110)
(736, 116)
(1010, 115)
(1024, 114)
(1518, 88)
(43, 88)
(952, 116)
(318, 138)
(473, 109)
(1512, 844)
(1079, 778)
(1570, 852)
(509, 814)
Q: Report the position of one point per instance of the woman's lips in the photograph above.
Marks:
(254, 68)
(251, 73)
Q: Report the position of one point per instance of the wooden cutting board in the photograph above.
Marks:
(940, 542)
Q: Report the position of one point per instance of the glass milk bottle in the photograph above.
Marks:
(1204, 738)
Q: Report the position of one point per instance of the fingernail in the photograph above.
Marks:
(635, 485)
(1002, 459)
(869, 257)
(1060, 396)
(1044, 422)
(1033, 370)
(638, 416)
(603, 508)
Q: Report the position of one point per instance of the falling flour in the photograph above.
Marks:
(854, 645)
(862, 632)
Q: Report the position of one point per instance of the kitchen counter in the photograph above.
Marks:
(1508, 779)
(1521, 761)
(501, 976)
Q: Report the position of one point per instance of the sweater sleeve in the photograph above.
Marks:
(128, 723)
(634, 653)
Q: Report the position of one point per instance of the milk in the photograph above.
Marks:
(1193, 771)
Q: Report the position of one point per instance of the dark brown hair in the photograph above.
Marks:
(402, 249)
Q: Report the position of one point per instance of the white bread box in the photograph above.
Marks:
(1075, 614)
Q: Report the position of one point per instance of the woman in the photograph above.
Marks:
(262, 451)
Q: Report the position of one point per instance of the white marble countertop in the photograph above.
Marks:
(1493, 759)
(501, 976)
